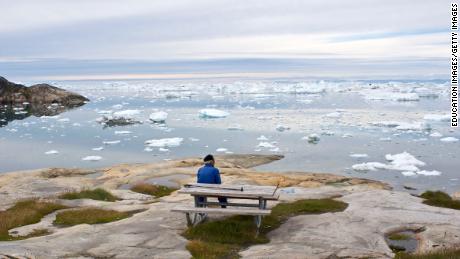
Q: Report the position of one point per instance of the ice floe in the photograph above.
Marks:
(213, 113)
(357, 155)
(122, 132)
(164, 142)
(126, 113)
(51, 152)
(312, 138)
(112, 142)
(437, 117)
(158, 117)
(449, 139)
(405, 162)
(91, 158)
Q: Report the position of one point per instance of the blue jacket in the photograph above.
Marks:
(208, 174)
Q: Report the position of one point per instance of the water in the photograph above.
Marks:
(341, 113)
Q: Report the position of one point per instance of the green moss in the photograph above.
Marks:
(440, 199)
(89, 216)
(398, 236)
(24, 213)
(231, 234)
(96, 194)
(443, 254)
(151, 189)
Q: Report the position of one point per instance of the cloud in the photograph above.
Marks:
(227, 29)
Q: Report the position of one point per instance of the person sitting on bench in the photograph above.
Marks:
(210, 174)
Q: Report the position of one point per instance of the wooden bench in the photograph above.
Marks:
(196, 214)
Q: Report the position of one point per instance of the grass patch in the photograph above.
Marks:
(399, 236)
(440, 199)
(24, 213)
(224, 238)
(152, 189)
(89, 216)
(444, 254)
(204, 250)
(96, 194)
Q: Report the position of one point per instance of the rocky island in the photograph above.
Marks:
(11, 93)
(143, 226)
(18, 102)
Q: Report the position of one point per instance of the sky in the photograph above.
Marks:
(102, 39)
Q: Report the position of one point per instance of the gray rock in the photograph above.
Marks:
(11, 93)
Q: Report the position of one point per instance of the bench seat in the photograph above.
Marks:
(226, 211)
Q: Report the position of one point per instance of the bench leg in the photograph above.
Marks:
(195, 219)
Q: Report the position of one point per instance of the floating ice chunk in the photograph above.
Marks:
(164, 142)
(158, 117)
(113, 142)
(347, 135)
(358, 155)
(437, 117)
(369, 166)
(275, 149)
(266, 145)
(262, 138)
(333, 115)
(408, 173)
(161, 149)
(98, 148)
(436, 135)
(213, 113)
(282, 128)
(126, 113)
(385, 139)
(122, 132)
(91, 158)
(221, 149)
(51, 152)
(416, 126)
(117, 106)
(312, 138)
(429, 173)
(403, 162)
(389, 96)
(193, 139)
(449, 139)
(148, 149)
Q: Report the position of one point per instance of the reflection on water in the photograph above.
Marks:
(327, 127)
(10, 113)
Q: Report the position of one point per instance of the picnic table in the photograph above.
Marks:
(197, 213)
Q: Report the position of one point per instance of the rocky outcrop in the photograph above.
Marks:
(155, 232)
(11, 93)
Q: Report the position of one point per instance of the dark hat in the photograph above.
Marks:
(208, 158)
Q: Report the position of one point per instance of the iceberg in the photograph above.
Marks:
(436, 135)
(403, 162)
(213, 113)
(358, 155)
(449, 139)
(126, 113)
(158, 117)
(113, 142)
(122, 132)
(312, 138)
(164, 142)
(51, 152)
(437, 117)
(369, 166)
(91, 158)
(221, 149)
(266, 145)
